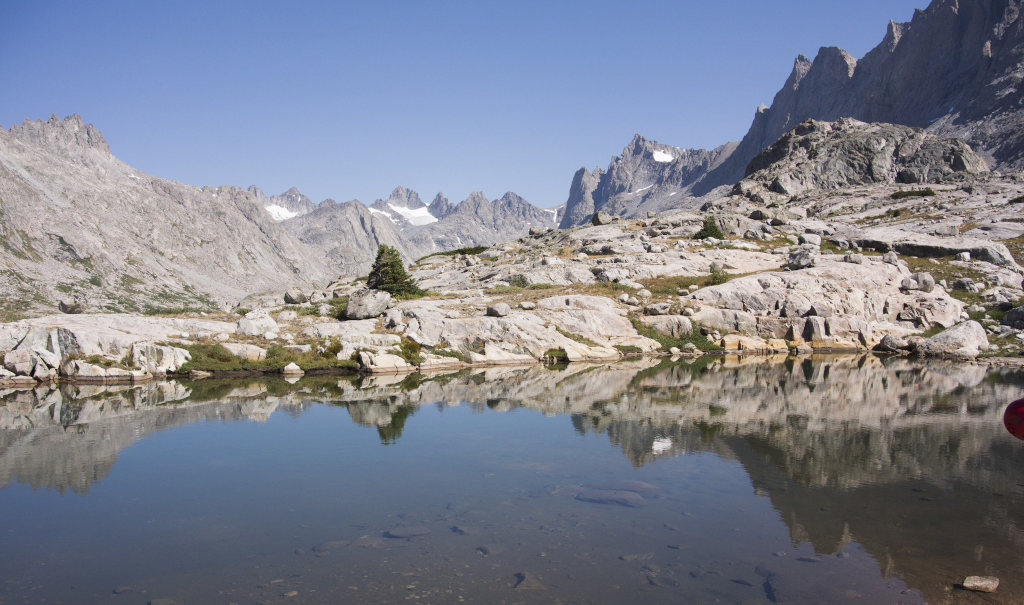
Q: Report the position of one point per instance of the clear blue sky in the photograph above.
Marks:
(350, 99)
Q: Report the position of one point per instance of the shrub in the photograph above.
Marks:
(717, 277)
(411, 352)
(467, 251)
(558, 355)
(1017, 200)
(898, 195)
(242, 311)
(388, 275)
(710, 229)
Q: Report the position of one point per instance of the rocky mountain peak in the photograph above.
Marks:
(440, 207)
(289, 204)
(69, 136)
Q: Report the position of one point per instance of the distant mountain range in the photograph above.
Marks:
(75, 220)
(955, 69)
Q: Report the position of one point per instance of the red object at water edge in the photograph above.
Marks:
(1013, 418)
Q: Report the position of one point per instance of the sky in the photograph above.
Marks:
(347, 100)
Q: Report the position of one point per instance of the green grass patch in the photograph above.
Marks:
(215, 358)
(453, 354)
(498, 290)
(667, 342)
(151, 310)
(580, 339)
(628, 349)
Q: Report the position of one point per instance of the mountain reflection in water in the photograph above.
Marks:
(906, 458)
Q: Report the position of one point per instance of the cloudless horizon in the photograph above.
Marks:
(348, 100)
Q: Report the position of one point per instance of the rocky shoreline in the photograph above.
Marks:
(933, 275)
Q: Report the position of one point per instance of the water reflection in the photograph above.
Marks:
(904, 459)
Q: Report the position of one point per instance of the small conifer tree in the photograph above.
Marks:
(388, 275)
(710, 229)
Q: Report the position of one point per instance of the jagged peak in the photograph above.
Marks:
(835, 59)
(511, 197)
(61, 135)
(407, 198)
(893, 34)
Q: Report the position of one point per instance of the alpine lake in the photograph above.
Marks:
(717, 480)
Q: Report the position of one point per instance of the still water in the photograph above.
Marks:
(822, 480)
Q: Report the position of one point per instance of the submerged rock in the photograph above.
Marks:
(981, 583)
(626, 486)
(618, 498)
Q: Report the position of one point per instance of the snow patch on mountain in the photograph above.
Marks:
(661, 156)
(417, 217)
(280, 213)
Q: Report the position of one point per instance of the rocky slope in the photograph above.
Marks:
(76, 220)
(954, 70)
(829, 156)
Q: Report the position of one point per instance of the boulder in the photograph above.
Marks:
(801, 259)
(658, 309)
(810, 238)
(535, 231)
(21, 363)
(856, 259)
(256, 323)
(892, 344)
(966, 284)
(72, 306)
(673, 326)
(287, 316)
(964, 340)
(367, 304)
(295, 296)
(601, 218)
(923, 282)
(292, 369)
(159, 360)
(499, 310)
(890, 258)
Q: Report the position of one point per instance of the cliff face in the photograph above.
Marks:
(955, 69)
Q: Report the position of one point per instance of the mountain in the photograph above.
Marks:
(76, 220)
(476, 221)
(954, 70)
(405, 208)
(346, 236)
(647, 176)
(282, 207)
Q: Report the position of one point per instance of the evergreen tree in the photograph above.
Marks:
(388, 275)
